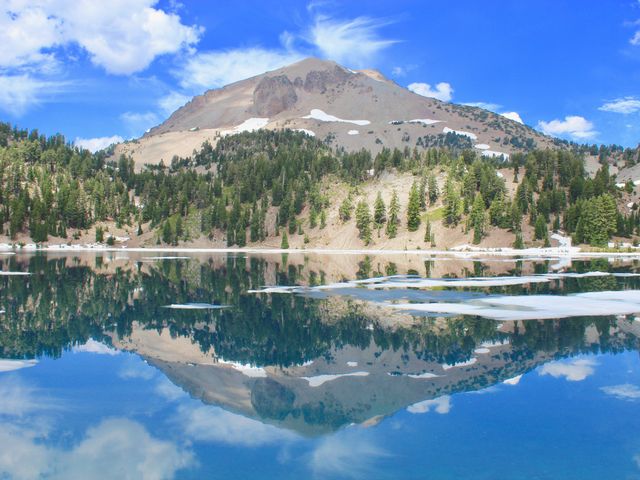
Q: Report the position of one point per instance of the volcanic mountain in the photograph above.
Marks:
(345, 108)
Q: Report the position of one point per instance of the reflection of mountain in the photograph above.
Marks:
(306, 363)
(361, 385)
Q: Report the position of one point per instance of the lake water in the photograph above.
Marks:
(131, 365)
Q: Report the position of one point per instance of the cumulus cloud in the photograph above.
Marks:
(172, 101)
(440, 405)
(626, 391)
(573, 371)
(139, 122)
(93, 145)
(355, 42)
(492, 107)
(624, 105)
(443, 90)
(121, 36)
(635, 40)
(218, 68)
(574, 126)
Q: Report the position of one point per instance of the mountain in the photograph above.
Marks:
(345, 108)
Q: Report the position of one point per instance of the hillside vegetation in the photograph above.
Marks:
(285, 188)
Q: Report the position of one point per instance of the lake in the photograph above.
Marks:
(172, 365)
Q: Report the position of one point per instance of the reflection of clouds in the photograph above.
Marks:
(349, 453)
(625, 391)
(213, 424)
(18, 399)
(168, 390)
(116, 448)
(573, 370)
(7, 365)
(440, 405)
(95, 347)
(134, 368)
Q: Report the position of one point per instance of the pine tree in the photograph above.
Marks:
(427, 232)
(413, 209)
(478, 219)
(452, 205)
(379, 212)
(433, 189)
(394, 211)
(540, 228)
(285, 241)
(363, 221)
(323, 219)
(518, 243)
(345, 209)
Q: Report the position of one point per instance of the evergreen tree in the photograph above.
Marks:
(363, 221)
(540, 228)
(379, 212)
(284, 244)
(433, 189)
(477, 218)
(394, 212)
(345, 209)
(452, 205)
(413, 209)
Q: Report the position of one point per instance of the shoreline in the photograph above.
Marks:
(463, 251)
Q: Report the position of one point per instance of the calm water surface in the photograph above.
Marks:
(125, 365)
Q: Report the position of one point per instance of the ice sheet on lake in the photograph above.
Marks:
(536, 307)
(195, 306)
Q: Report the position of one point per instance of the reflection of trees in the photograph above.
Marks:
(63, 304)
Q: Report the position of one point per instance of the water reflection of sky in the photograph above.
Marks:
(99, 415)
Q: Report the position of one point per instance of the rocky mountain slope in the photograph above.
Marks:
(345, 108)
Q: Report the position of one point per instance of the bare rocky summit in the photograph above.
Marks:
(346, 108)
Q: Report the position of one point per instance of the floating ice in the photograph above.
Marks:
(321, 379)
(318, 114)
(472, 136)
(536, 307)
(195, 306)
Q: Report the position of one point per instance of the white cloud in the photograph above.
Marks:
(18, 399)
(635, 40)
(492, 107)
(137, 123)
(573, 371)
(512, 116)
(443, 90)
(354, 42)
(22, 91)
(574, 126)
(213, 424)
(440, 405)
(121, 36)
(624, 105)
(626, 391)
(93, 145)
(347, 454)
(218, 68)
(172, 101)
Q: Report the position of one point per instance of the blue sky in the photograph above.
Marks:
(97, 70)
